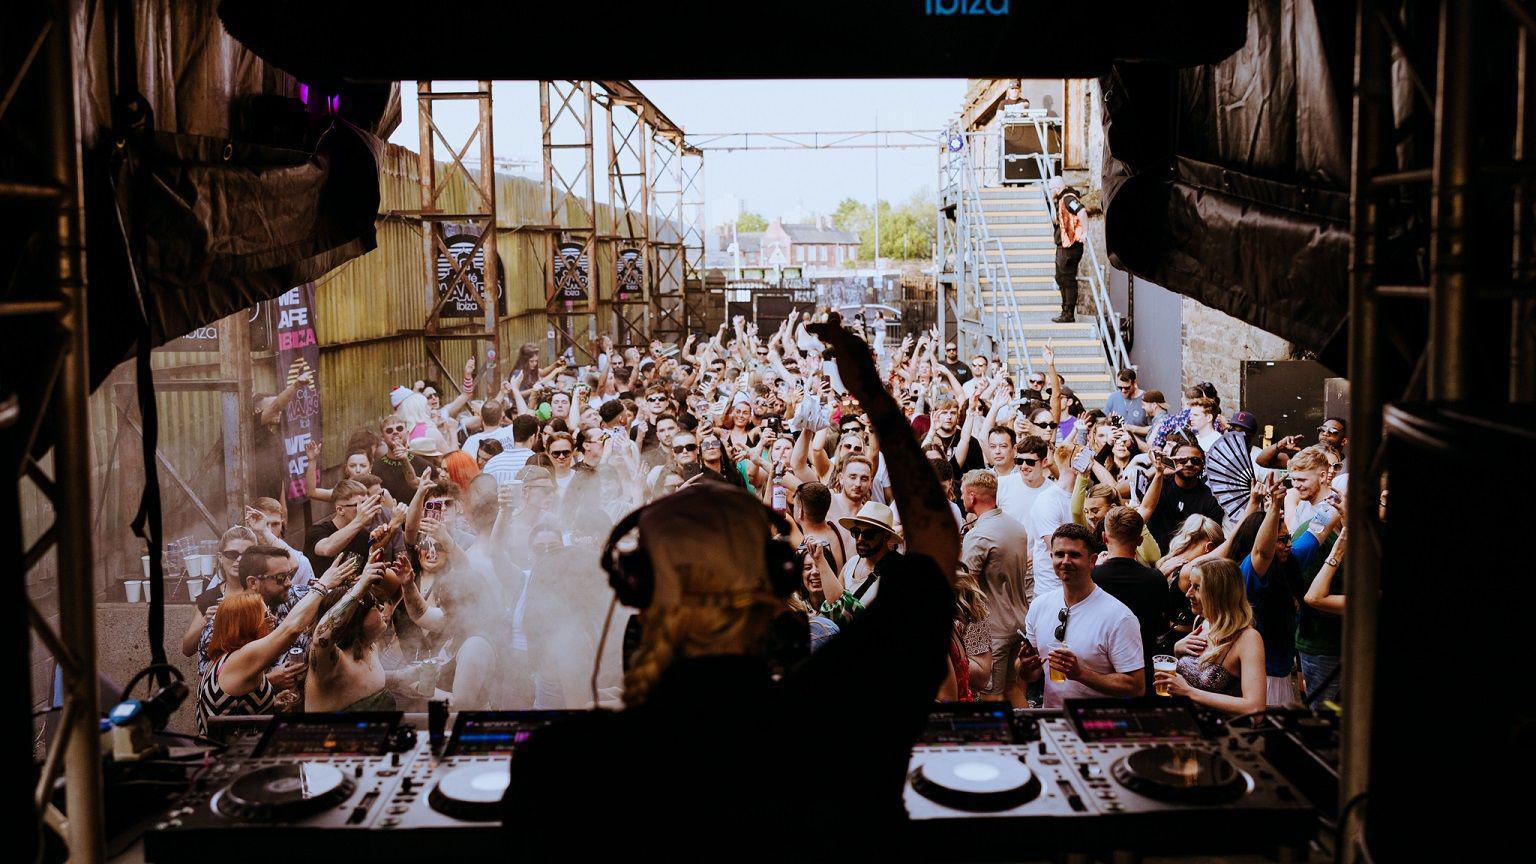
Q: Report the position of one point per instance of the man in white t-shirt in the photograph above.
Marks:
(1026, 477)
(1051, 510)
(1079, 632)
(490, 415)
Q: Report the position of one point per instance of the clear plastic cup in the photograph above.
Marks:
(134, 589)
(194, 588)
(1056, 675)
(1163, 663)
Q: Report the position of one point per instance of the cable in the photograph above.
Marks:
(602, 643)
(149, 670)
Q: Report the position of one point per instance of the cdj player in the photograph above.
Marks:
(1112, 776)
(312, 787)
(1104, 777)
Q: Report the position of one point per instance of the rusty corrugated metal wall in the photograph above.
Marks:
(371, 310)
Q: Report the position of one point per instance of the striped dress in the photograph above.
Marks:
(212, 701)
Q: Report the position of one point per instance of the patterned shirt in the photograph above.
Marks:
(295, 594)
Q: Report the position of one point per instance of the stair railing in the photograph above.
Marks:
(983, 248)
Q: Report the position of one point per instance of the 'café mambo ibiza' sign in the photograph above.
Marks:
(298, 352)
(462, 240)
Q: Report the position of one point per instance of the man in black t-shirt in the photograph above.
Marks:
(350, 527)
(946, 433)
(398, 471)
(1178, 492)
(1131, 582)
(953, 363)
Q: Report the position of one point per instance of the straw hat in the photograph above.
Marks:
(872, 514)
(425, 447)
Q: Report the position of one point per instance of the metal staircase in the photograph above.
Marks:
(996, 262)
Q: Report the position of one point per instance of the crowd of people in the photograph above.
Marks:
(1105, 550)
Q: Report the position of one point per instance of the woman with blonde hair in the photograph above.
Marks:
(1221, 661)
(1198, 537)
(419, 422)
(970, 647)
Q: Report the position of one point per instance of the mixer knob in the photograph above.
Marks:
(407, 784)
(394, 759)
(358, 771)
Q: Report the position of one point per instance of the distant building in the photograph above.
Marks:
(814, 245)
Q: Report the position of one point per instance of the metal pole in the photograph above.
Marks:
(1450, 284)
(491, 273)
(1372, 154)
(1522, 336)
(938, 254)
(72, 462)
(877, 199)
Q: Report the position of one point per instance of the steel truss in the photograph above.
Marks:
(1467, 326)
(46, 308)
(629, 214)
(570, 212)
(695, 304)
(883, 139)
(480, 213)
(667, 231)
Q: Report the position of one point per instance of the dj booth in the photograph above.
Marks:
(1102, 778)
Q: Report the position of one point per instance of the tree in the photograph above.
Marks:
(851, 215)
(750, 221)
(906, 232)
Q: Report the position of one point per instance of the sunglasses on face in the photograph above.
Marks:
(1031, 461)
(853, 448)
(655, 398)
(685, 448)
(1061, 629)
(231, 555)
(393, 430)
(559, 454)
(1189, 460)
(429, 393)
(282, 577)
(1037, 382)
(1330, 431)
(1127, 386)
(857, 532)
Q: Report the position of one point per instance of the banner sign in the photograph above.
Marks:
(572, 270)
(298, 352)
(629, 275)
(203, 339)
(464, 293)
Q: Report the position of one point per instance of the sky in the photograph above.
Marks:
(773, 182)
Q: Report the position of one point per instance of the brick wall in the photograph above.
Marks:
(1214, 346)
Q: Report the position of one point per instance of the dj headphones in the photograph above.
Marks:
(633, 576)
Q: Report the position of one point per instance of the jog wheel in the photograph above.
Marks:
(1181, 774)
(472, 793)
(283, 793)
(977, 782)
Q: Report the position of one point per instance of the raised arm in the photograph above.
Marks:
(466, 389)
(1319, 594)
(242, 671)
(928, 522)
(312, 488)
(1269, 531)
(332, 545)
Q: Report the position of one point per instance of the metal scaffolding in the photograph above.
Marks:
(666, 164)
(1446, 317)
(695, 301)
(47, 206)
(570, 214)
(453, 270)
(629, 217)
(884, 139)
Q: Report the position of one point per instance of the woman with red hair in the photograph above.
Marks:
(461, 467)
(246, 642)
